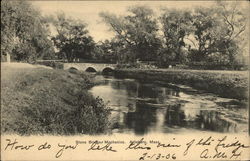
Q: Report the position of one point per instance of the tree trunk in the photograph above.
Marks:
(8, 58)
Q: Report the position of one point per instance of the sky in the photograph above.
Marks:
(88, 11)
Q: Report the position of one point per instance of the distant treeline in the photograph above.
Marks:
(214, 36)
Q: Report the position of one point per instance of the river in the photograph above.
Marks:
(154, 107)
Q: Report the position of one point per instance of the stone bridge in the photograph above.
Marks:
(91, 67)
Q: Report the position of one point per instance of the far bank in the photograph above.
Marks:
(230, 84)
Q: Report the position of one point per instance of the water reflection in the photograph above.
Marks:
(142, 108)
(141, 119)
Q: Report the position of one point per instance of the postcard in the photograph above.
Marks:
(124, 80)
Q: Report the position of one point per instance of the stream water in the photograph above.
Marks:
(154, 107)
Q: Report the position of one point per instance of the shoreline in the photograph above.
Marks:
(229, 84)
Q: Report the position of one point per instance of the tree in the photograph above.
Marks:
(72, 38)
(137, 32)
(219, 31)
(207, 33)
(177, 26)
(142, 29)
(234, 19)
(24, 34)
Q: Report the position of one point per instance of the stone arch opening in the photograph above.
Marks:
(107, 70)
(73, 70)
(90, 69)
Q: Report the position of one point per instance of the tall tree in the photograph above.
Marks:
(177, 26)
(72, 38)
(137, 31)
(24, 34)
(234, 17)
(219, 30)
(208, 30)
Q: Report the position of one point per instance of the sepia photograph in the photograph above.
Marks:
(141, 69)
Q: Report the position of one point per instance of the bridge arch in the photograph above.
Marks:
(90, 69)
(73, 68)
(108, 70)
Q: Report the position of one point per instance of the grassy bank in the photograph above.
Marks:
(230, 84)
(36, 100)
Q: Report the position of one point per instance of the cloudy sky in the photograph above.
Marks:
(88, 11)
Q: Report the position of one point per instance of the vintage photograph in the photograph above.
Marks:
(124, 67)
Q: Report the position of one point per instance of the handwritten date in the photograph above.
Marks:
(158, 156)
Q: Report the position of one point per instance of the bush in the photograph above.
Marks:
(88, 116)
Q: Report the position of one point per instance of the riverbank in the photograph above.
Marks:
(41, 100)
(229, 84)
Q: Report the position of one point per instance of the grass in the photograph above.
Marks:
(49, 101)
(231, 84)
